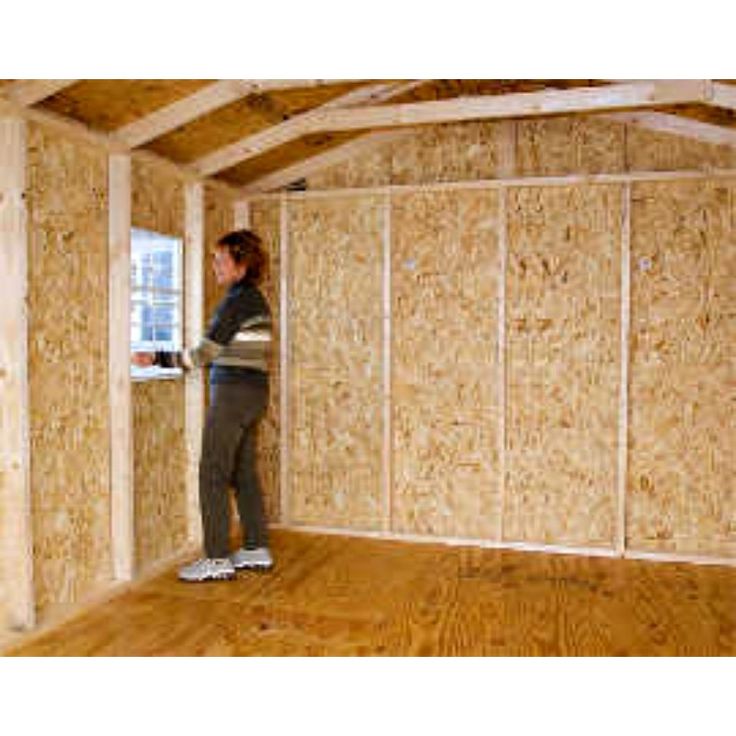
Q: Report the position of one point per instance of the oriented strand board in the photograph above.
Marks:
(284, 156)
(681, 492)
(558, 146)
(157, 198)
(453, 152)
(335, 395)
(369, 169)
(68, 366)
(562, 357)
(158, 406)
(265, 220)
(160, 471)
(108, 104)
(242, 118)
(647, 150)
(218, 220)
(445, 398)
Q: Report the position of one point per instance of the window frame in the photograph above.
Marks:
(144, 241)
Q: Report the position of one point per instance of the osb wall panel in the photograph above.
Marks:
(562, 356)
(70, 446)
(569, 145)
(265, 220)
(159, 440)
(218, 220)
(369, 169)
(159, 471)
(445, 276)
(157, 198)
(335, 397)
(556, 146)
(650, 151)
(681, 494)
(455, 152)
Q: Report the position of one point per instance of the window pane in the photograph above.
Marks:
(156, 292)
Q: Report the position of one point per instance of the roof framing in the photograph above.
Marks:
(28, 92)
(661, 122)
(294, 128)
(202, 102)
(524, 104)
(337, 155)
(624, 101)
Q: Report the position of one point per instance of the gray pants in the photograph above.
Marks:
(228, 459)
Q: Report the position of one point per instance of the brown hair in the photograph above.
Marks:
(246, 247)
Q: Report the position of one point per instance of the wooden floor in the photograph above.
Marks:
(339, 596)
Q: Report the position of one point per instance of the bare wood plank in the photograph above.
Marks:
(193, 329)
(309, 166)
(121, 412)
(531, 181)
(507, 148)
(387, 464)
(277, 135)
(723, 95)
(28, 92)
(284, 425)
(16, 546)
(660, 122)
(503, 259)
(484, 107)
(623, 428)
(183, 111)
(241, 214)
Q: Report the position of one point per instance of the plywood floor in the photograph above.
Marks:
(340, 596)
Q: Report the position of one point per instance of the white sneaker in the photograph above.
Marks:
(207, 569)
(252, 559)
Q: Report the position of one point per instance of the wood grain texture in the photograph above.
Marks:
(160, 463)
(242, 118)
(17, 596)
(649, 151)
(335, 374)
(563, 350)
(445, 413)
(681, 491)
(569, 145)
(68, 367)
(160, 471)
(111, 103)
(265, 220)
(332, 596)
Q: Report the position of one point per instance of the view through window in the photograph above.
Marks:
(156, 296)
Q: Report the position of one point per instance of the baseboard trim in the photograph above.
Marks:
(670, 557)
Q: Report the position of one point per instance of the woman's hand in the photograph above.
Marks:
(143, 360)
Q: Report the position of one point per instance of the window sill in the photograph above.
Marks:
(142, 375)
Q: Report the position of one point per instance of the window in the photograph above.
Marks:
(156, 297)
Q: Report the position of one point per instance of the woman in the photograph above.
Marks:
(236, 347)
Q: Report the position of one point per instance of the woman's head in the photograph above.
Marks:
(239, 254)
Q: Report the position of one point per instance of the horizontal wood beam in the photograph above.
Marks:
(28, 92)
(501, 184)
(723, 95)
(108, 142)
(294, 128)
(525, 104)
(202, 102)
(310, 166)
(660, 122)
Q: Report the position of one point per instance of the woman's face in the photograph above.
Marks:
(227, 272)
